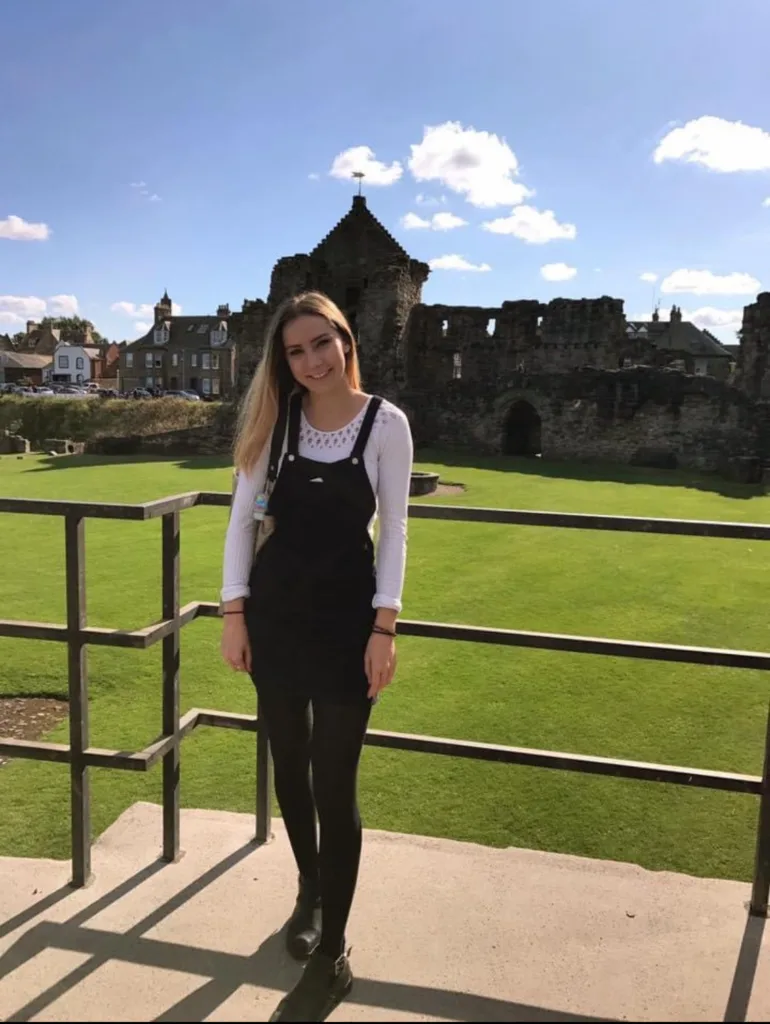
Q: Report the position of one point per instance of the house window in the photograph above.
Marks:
(214, 360)
(64, 362)
(218, 337)
(80, 378)
(148, 382)
(159, 361)
(129, 360)
(193, 359)
(79, 363)
(215, 386)
(206, 385)
(161, 336)
(205, 360)
(148, 360)
(175, 359)
(457, 366)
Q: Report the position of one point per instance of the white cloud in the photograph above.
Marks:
(649, 277)
(154, 198)
(27, 307)
(20, 230)
(557, 272)
(455, 262)
(477, 164)
(706, 317)
(531, 225)
(438, 222)
(717, 144)
(138, 184)
(314, 176)
(766, 202)
(131, 309)
(146, 309)
(141, 327)
(424, 200)
(362, 158)
(63, 305)
(10, 318)
(447, 221)
(412, 222)
(703, 282)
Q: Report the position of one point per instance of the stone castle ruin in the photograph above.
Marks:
(567, 379)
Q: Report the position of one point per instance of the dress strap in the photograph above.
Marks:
(295, 416)
(366, 427)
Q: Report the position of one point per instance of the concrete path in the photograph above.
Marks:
(442, 931)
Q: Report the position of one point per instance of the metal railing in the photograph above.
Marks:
(78, 635)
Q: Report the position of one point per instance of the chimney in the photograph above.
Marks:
(31, 325)
(676, 315)
(223, 311)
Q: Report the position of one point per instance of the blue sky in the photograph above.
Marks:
(187, 144)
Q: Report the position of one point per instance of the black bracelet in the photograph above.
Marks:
(234, 611)
(382, 631)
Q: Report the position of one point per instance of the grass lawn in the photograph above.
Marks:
(668, 589)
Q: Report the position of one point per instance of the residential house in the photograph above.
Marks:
(78, 364)
(677, 343)
(182, 353)
(72, 363)
(30, 367)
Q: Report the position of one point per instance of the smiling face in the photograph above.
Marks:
(316, 353)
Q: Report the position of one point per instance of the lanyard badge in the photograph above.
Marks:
(260, 506)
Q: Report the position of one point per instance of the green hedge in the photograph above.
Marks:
(83, 419)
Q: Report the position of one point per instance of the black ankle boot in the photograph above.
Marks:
(303, 932)
(324, 984)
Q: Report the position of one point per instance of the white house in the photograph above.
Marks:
(72, 364)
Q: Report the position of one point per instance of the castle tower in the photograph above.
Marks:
(753, 370)
(372, 278)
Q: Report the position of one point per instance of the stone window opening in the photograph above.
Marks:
(491, 326)
(457, 366)
(444, 328)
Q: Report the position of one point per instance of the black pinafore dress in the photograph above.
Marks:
(309, 615)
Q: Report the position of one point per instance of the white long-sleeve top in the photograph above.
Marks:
(388, 462)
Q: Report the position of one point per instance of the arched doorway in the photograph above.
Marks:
(522, 430)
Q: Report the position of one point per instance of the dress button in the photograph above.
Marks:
(354, 460)
(291, 458)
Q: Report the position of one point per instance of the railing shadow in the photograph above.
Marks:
(745, 970)
(268, 967)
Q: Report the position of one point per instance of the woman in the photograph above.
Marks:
(313, 618)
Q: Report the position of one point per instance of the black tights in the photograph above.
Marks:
(329, 740)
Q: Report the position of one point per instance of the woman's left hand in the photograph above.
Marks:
(379, 662)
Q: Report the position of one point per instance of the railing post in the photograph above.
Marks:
(760, 889)
(264, 781)
(77, 684)
(170, 585)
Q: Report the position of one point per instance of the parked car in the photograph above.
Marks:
(190, 396)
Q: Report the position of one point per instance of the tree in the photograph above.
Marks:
(71, 327)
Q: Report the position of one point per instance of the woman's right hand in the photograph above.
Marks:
(235, 646)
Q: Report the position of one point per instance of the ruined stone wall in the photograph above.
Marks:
(582, 332)
(643, 416)
(753, 370)
(248, 329)
(481, 345)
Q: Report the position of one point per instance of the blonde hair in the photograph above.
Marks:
(273, 378)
